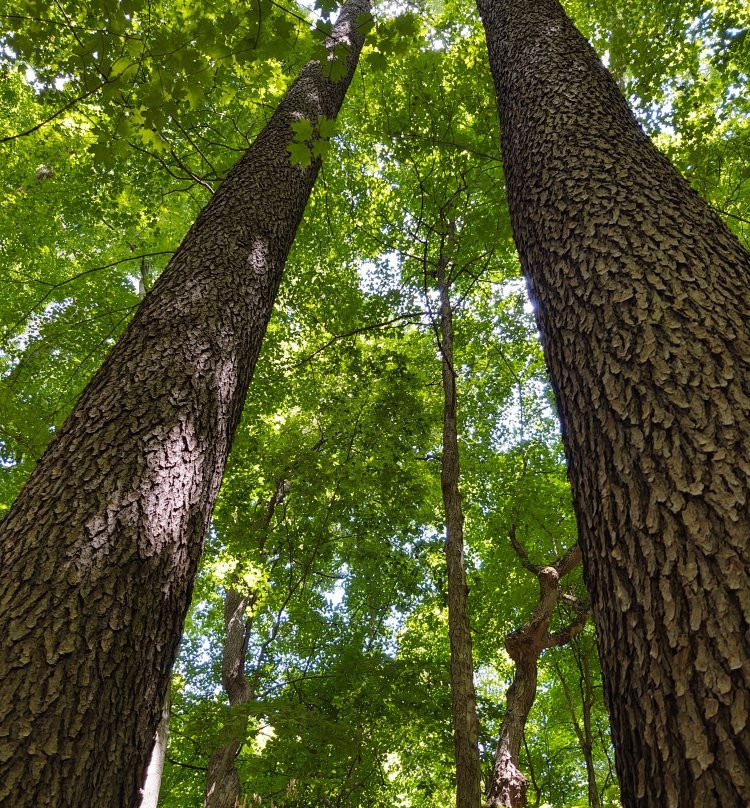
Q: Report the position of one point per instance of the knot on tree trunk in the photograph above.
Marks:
(549, 575)
(522, 644)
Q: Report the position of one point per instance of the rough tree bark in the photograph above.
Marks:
(463, 695)
(507, 786)
(99, 552)
(643, 303)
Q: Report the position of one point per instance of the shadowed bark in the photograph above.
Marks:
(99, 552)
(507, 787)
(643, 302)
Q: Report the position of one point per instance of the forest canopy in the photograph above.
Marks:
(314, 668)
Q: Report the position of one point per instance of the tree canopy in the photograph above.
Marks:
(119, 122)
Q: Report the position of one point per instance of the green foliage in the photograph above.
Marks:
(310, 140)
(135, 112)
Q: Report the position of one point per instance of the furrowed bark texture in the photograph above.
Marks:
(643, 302)
(99, 552)
(463, 695)
(508, 784)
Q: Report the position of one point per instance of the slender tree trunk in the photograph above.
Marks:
(643, 302)
(507, 787)
(155, 769)
(463, 696)
(583, 733)
(587, 699)
(99, 551)
(223, 787)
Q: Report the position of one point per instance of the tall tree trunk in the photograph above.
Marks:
(223, 787)
(643, 302)
(507, 787)
(100, 549)
(583, 733)
(508, 784)
(587, 745)
(463, 696)
(155, 768)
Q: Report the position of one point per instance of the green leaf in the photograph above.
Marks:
(320, 148)
(153, 139)
(365, 23)
(407, 24)
(125, 128)
(218, 50)
(377, 60)
(326, 126)
(335, 69)
(300, 154)
(327, 7)
(123, 67)
(194, 93)
(322, 30)
(303, 130)
(154, 95)
(134, 47)
(102, 153)
(283, 31)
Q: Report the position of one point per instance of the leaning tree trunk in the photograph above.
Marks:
(643, 302)
(463, 695)
(507, 784)
(99, 552)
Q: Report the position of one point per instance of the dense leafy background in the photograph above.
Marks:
(118, 121)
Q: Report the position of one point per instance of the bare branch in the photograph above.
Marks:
(568, 561)
(521, 551)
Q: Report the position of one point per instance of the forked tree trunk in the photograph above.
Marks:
(508, 784)
(643, 302)
(100, 549)
(463, 695)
